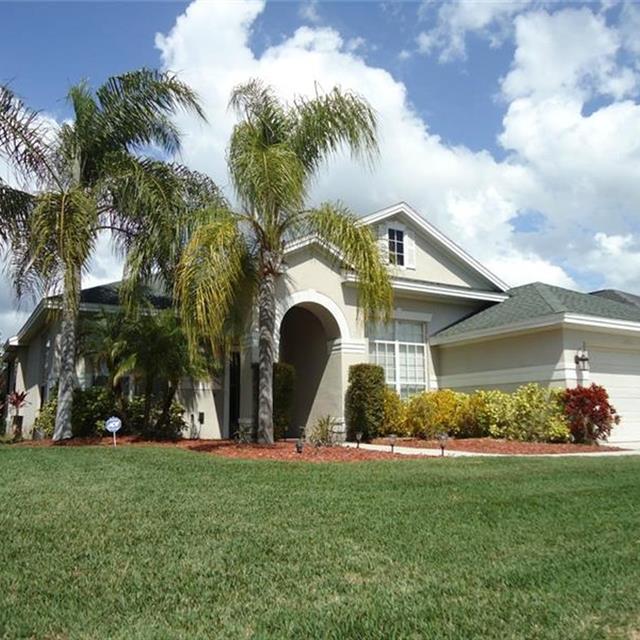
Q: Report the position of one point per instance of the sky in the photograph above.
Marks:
(514, 127)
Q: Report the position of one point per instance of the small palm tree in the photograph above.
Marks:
(159, 358)
(237, 256)
(102, 340)
(89, 176)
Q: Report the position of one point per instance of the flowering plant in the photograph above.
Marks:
(590, 414)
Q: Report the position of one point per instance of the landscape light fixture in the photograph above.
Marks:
(299, 445)
(582, 358)
(442, 439)
(392, 439)
(358, 438)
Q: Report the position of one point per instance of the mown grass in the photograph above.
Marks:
(163, 543)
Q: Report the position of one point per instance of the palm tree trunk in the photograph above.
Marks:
(266, 325)
(66, 378)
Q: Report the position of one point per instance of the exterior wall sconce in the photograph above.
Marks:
(582, 358)
(443, 439)
(392, 441)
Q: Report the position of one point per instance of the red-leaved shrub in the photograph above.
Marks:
(590, 414)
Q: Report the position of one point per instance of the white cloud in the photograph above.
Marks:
(470, 195)
(552, 57)
(308, 12)
(587, 165)
(455, 19)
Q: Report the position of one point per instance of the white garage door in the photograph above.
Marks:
(619, 373)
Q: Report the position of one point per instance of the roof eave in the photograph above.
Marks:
(590, 323)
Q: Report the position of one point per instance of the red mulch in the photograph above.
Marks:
(229, 449)
(492, 445)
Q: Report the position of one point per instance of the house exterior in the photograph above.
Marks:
(455, 325)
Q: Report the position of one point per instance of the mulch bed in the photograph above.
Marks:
(493, 445)
(230, 449)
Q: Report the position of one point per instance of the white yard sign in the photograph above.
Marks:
(113, 425)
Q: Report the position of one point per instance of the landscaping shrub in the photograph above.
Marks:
(322, 432)
(434, 412)
(469, 422)
(395, 414)
(364, 401)
(589, 413)
(531, 414)
(170, 429)
(46, 419)
(494, 412)
(284, 380)
(91, 407)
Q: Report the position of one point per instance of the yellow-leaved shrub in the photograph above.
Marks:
(395, 415)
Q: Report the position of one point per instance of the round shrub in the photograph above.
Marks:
(434, 412)
(589, 413)
(395, 414)
(91, 407)
(364, 401)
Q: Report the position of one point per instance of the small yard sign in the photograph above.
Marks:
(113, 425)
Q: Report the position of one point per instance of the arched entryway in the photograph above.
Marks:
(309, 339)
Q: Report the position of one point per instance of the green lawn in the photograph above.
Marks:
(162, 543)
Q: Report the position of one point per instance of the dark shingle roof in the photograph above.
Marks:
(537, 300)
(109, 295)
(618, 296)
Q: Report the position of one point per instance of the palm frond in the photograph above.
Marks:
(338, 227)
(137, 107)
(320, 126)
(214, 275)
(23, 139)
(154, 208)
(15, 208)
(258, 104)
(268, 178)
(62, 237)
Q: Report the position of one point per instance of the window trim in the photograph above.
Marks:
(396, 384)
(394, 256)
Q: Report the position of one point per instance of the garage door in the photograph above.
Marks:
(619, 373)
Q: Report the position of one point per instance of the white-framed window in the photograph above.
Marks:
(400, 348)
(396, 247)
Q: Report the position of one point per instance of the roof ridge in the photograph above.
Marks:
(546, 292)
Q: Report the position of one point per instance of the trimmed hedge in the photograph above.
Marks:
(531, 413)
(364, 401)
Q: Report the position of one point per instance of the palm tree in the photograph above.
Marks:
(159, 358)
(90, 176)
(102, 340)
(275, 151)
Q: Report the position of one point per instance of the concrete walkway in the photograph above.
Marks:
(415, 451)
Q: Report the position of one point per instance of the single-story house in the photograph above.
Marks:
(455, 324)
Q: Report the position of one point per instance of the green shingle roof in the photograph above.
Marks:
(537, 300)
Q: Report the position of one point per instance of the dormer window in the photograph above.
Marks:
(396, 247)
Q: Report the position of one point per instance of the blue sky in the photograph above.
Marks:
(47, 46)
(512, 125)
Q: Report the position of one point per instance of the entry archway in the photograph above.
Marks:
(311, 328)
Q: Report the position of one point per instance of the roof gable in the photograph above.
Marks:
(440, 242)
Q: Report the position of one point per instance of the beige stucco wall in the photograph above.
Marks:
(206, 397)
(504, 363)
(434, 264)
